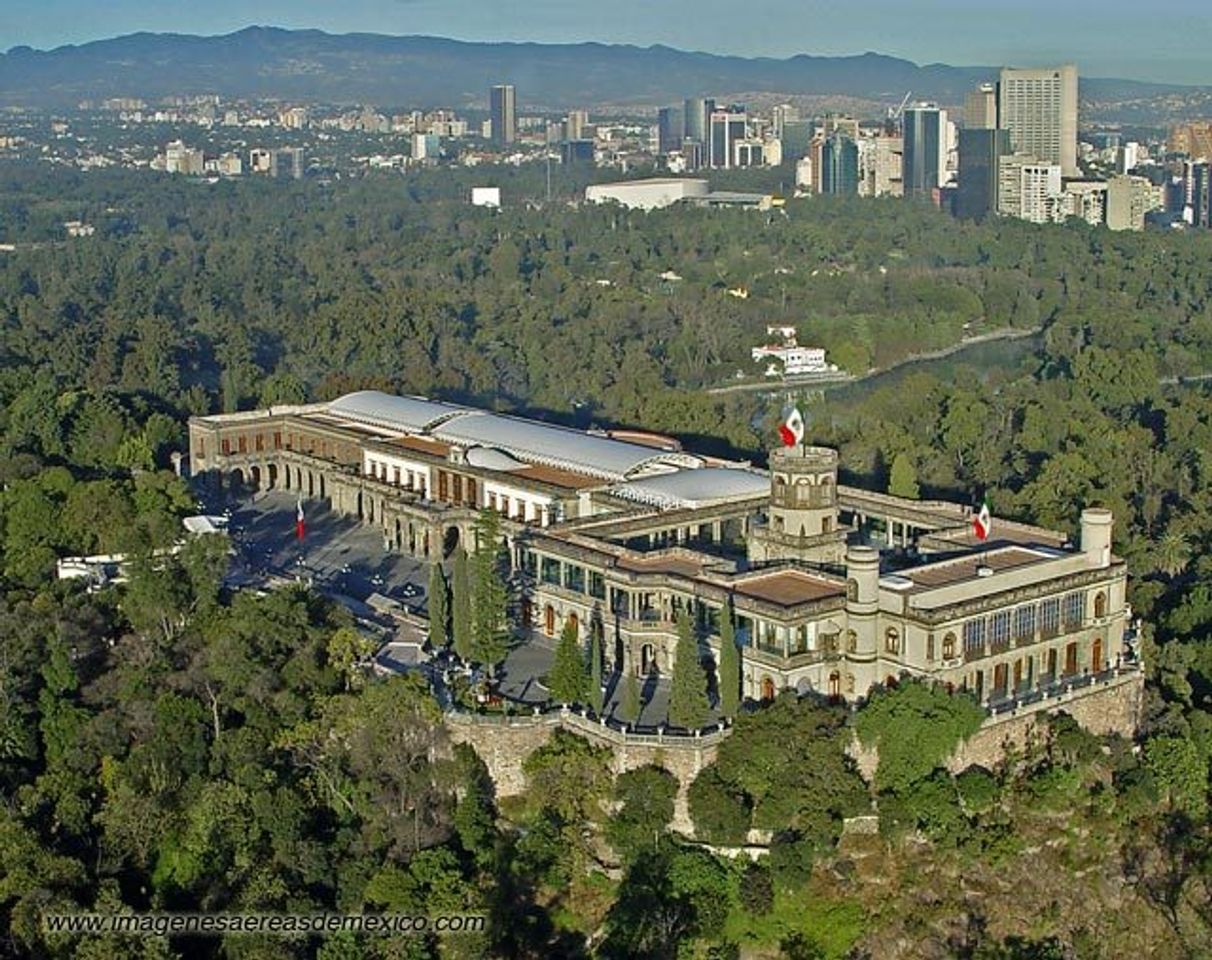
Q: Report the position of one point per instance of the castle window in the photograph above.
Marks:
(1100, 605)
(1049, 617)
(949, 646)
(892, 641)
(852, 590)
(974, 636)
(1024, 622)
(851, 641)
(999, 628)
(1074, 609)
(930, 646)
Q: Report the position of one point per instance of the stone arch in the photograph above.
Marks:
(272, 473)
(235, 480)
(892, 641)
(648, 661)
(450, 540)
(254, 476)
(311, 484)
(323, 493)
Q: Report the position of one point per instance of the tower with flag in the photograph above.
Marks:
(791, 430)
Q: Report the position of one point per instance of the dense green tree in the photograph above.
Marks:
(645, 796)
(460, 607)
(489, 596)
(688, 704)
(629, 700)
(439, 608)
(730, 665)
(595, 667)
(902, 482)
(567, 680)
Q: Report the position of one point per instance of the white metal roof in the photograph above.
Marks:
(406, 414)
(560, 447)
(693, 488)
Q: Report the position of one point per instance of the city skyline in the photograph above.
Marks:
(1167, 49)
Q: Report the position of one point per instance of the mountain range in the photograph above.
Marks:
(268, 62)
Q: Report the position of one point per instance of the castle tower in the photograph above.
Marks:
(862, 614)
(801, 523)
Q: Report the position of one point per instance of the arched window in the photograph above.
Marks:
(549, 620)
(574, 623)
(767, 688)
(852, 590)
(851, 641)
(835, 684)
(892, 641)
(1100, 604)
(949, 646)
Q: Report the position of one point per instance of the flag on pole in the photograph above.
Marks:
(982, 523)
(792, 429)
(299, 526)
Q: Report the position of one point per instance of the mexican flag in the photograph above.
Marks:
(982, 523)
(299, 526)
(791, 430)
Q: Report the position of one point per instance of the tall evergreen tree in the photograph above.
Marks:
(595, 667)
(688, 704)
(730, 665)
(629, 704)
(460, 604)
(902, 481)
(439, 608)
(489, 596)
(567, 680)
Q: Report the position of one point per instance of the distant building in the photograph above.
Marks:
(178, 158)
(577, 151)
(727, 129)
(880, 164)
(1086, 200)
(259, 160)
(1028, 189)
(748, 153)
(651, 194)
(789, 358)
(696, 118)
(980, 108)
(980, 152)
(485, 196)
(669, 130)
(1192, 139)
(839, 165)
(925, 150)
(502, 108)
(1039, 108)
(575, 124)
(796, 135)
(426, 146)
(286, 163)
(1129, 199)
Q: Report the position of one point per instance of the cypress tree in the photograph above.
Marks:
(688, 704)
(595, 667)
(489, 597)
(730, 665)
(439, 608)
(629, 705)
(460, 603)
(567, 681)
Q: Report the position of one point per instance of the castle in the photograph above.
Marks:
(833, 589)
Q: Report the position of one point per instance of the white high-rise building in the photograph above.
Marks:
(1039, 108)
(1029, 190)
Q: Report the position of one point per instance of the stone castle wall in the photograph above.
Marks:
(504, 743)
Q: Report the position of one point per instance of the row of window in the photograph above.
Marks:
(1047, 617)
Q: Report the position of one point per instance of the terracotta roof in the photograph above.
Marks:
(422, 445)
(789, 587)
(556, 477)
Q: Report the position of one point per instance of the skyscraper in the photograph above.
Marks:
(1039, 108)
(696, 114)
(980, 108)
(925, 150)
(502, 106)
(727, 128)
(980, 151)
(669, 130)
(839, 165)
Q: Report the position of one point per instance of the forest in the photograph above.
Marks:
(173, 746)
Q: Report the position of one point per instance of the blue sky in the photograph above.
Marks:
(1124, 38)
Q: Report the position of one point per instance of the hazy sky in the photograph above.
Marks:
(1122, 38)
